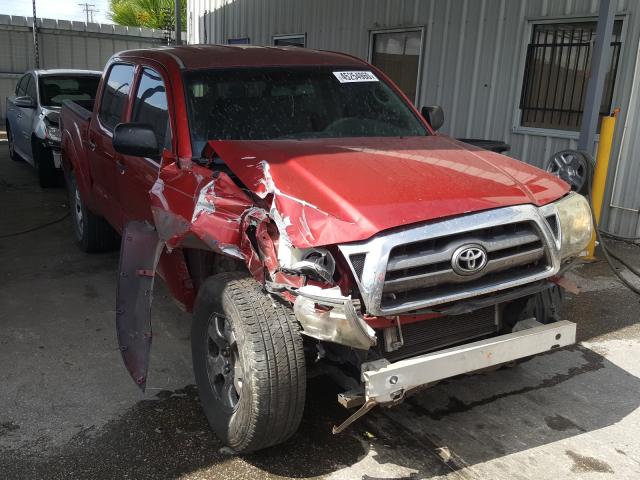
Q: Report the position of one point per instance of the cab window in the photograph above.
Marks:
(21, 87)
(150, 106)
(114, 97)
(31, 88)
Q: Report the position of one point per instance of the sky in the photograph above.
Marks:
(58, 9)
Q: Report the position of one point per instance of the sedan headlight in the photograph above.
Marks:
(52, 133)
(576, 226)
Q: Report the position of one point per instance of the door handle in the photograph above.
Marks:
(121, 166)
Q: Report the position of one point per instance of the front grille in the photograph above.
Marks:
(422, 270)
(429, 335)
(409, 269)
(357, 261)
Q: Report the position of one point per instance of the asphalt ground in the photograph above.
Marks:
(69, 410)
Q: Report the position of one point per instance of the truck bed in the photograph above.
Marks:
(82, 108)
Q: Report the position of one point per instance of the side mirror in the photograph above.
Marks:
(24, 102)
(434, 115)
(136, 139)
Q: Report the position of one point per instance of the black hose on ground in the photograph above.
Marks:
(609, 256)
(33, 229)
(620, 238)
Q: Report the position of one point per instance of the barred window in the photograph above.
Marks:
(556, 74)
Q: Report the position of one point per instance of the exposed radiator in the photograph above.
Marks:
(428, 335)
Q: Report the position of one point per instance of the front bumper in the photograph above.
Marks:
(327, 315)
(386, 382)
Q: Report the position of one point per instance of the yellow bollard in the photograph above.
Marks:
(607, 128)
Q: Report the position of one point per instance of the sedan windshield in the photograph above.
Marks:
(55, 89)
(294, 103)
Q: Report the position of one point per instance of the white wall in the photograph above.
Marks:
(62, 44)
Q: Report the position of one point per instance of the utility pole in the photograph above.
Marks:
(178, 22)
(36, 53)
(599, 66)
(88, 8)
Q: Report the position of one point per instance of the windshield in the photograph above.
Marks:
(294, 103)
(55, 89)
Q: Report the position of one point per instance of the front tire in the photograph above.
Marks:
(43, 159)
(93, 233)
(545, 307)
(13, 155)
(248, 361)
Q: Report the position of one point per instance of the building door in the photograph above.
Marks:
(397, 53)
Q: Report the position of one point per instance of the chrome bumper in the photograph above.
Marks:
(388, 382)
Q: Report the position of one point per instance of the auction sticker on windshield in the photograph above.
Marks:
(355, 76)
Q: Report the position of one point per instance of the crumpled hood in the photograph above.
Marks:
(331, 191)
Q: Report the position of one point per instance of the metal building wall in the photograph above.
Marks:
(63, 44)
(624, 190)
(473, 59)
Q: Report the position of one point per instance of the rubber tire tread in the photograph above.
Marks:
(16, 156)
(97, 235)
(270, 346)
(545, 306)
(47, 173)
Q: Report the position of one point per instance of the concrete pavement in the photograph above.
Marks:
(69, 410)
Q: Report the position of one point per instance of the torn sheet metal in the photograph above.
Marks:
(199, 208)
(172, 268)
(139, 256)
(326, 314)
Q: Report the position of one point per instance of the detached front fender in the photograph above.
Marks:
(139, 256)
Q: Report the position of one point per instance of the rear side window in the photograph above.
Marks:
(31, 88)
(114, 97)
(150, 106)
(21, 87)
(56, 89)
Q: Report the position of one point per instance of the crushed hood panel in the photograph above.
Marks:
(330, 191)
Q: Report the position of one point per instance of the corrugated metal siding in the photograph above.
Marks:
(63, 44)
(472, 57)
(624, 210)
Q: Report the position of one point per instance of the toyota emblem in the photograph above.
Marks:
(469, 260)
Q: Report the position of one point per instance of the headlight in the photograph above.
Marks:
(315, 262)
(576, 227)
(52, 133)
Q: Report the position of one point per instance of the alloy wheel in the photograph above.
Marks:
(78, 213)
(224, 366)
(570, 166)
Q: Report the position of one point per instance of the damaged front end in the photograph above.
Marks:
(398, 285)
(205, 207)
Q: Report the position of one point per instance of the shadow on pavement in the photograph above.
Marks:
(466, 421)
(169, 436)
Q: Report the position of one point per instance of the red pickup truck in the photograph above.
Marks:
(311, 218)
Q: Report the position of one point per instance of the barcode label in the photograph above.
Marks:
(355, 76)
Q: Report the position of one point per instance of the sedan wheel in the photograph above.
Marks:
(12, 148)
